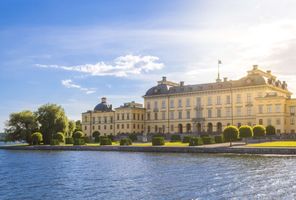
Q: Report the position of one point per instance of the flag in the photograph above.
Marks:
(219, 62)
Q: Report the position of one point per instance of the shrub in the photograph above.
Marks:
(96, 134)
(175, 138)
(105, 140)
(111, 137)
(158, 141)
(195, 141)
(245, 132)
(133, 137)
(259, 131)
(79, 141)
(54, 142)
(230, 133)
(69, 140)
(158, 135)
(87, 139)
(97, 139)
(78, 134)
(36, 138)
(59, 136)
(219, 139)
(270, 130)
(186, 139)
(208, 140)
(125, 142)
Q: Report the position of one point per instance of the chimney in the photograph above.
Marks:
(104, 99)
(255, 67)
(164, 79)
(182, 83)
(225, 79)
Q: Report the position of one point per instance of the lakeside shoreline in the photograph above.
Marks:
(163, 149)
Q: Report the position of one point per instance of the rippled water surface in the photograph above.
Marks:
(119, 175)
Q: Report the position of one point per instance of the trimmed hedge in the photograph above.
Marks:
(208, 140)
(105, 141)
(69, 141)
(230, 133)
(245, 131)
(195, 141)
(78, 134)
(175, 138)
(79, 141)
(59, 136)
(219, 139)
(54, 142)
(133, 137)
(111, 137)
(36, 138)
(158, 141)
(96, 134)
(186, 139)
(87, 139)
(97, 139)
(125, 142)
(270, 130)
(259, 131)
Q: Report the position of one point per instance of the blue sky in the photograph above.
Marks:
(73, 52)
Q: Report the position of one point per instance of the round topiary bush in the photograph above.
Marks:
(105, 141)
(245, 132)
(158, 141)
(175, 138)
(259, 131)
(96, 134)
(36, 138)
(195, 141)
(186, 139)
(59, 136)
(219, 139)
(270, 130)
(78, 134)
(230, 133)
(125, 142)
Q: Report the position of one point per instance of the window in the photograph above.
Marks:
(292, 109)
(163, 115)
(127, 126)
(269, 108)
(188, 102)
(117, 117)
(117, 126)
(85, 127)
(127, 116)
(218, 100)
(94, 120)
(172, 128)
(292, 120)
(148, 129)
(238, 98)
(105, 127)
(111, 119)
(155, 104)
(163, 104)
(278, 121)
(249, 111)
(148, 105)
(209, 113)
(99, 118)
(134, 126)
(188, 114)
(209, 101)
(134, 116)
(260, 109)
(122, 116)
(156, 129)
(180, 114)
(148, 116)
(93, 127)
(156, 116)
(138, 116)
(198, 101)
(260, 121)
(238, 111)
(85, 118)
(111, 127)
(180, 103)
(227, 112)
(105, 120)
(228, 99)
(269, 122)
(278, 108)
(171, 114)
(249, 98)
(172, 103)
(99, 127)
(219, 112)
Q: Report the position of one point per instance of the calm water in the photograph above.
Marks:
(115, 175)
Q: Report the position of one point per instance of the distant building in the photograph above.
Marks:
(257, 98)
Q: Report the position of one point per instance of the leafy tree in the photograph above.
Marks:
(78, 134)
(71, 128)
(60, 137)
(96, 134)
(259, 131)
(270, 130)
(230, 134)
(245, 132)
(21, 125)
(78, 126)
(52, 119)
(36, 138)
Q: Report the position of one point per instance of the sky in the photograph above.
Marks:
(73, 52)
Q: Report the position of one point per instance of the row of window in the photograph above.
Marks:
(198, 101)
(269, 108)
(127, 116)
(118, 126)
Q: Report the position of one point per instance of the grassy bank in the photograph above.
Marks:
(275, 144)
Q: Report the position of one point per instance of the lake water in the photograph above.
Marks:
(86, 175)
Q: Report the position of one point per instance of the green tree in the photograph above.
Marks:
(230, 134)
(270, 130)
(21, 125)
(78, 135)
(60, 137)
(52, 119)
(78, 126)
(71, 128)
(36, 138)
(259, 131)
(245, 132)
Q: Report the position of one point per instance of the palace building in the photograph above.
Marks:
(257, 98)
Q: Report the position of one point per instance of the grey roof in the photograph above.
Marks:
(103, 107)
(249, 80)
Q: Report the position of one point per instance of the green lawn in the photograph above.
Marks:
(275, 144)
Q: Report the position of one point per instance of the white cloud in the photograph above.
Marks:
(69, 84)
(122, 66)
